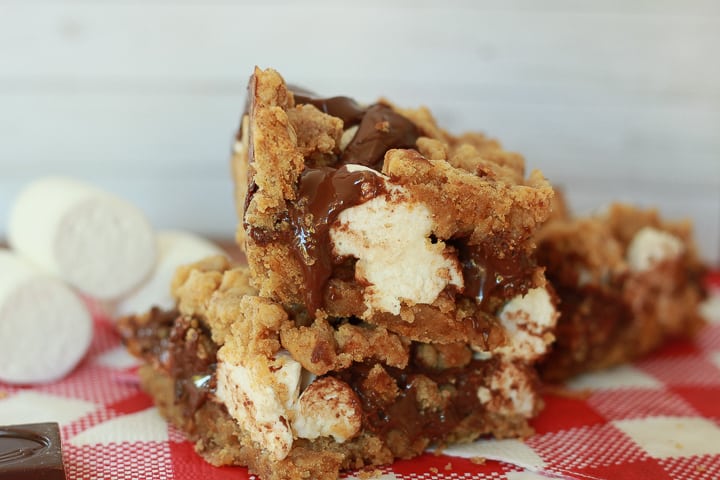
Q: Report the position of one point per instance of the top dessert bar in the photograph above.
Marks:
(627, 281)
(375, 212)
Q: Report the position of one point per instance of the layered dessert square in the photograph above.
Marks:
(627, 280)
(391, 299)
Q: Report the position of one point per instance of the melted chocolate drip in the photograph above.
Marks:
(486, 276)
(381, 129)
(324, 193)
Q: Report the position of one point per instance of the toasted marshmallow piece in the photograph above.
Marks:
(509, 392)
(651, 246)
(45, 328)
(97, 242)
(328, 407)
(528, 319)
(389, 235)
(175, 248)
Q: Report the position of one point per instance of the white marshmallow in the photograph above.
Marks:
(45, 328)
(97, 242)
(266, 400)
(174, 249)
(651, 246)
(258, 403)
(389, 235)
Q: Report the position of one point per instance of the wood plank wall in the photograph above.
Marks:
(612, 99)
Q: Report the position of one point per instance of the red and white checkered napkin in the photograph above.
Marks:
(656, 419)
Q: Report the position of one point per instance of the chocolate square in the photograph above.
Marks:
(31, 451)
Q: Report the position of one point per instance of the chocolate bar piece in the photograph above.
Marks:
(31, 451)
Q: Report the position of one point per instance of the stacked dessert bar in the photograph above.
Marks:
(391, 300)
(627, 282)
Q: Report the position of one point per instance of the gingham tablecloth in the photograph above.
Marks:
(658, 418)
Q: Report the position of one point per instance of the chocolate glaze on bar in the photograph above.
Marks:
(323, 194)
(381, 129)
(31, 451)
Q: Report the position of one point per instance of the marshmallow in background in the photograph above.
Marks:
(45, 328)
(97, 242)
(175, 249)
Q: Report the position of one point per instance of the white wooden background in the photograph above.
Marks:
(613, 99)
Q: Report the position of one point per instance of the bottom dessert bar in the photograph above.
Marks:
(627, 282)
(368, 413)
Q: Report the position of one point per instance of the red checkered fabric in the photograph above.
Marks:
(658, 418)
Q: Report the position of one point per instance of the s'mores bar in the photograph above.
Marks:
(391, 301)
(627, 281)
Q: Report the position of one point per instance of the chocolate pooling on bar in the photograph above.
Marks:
(323, 194)
(31, 451)
(381, 129)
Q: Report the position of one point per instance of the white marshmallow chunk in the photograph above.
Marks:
(45, 329)
(175, 248)
(267, 402)
(328, 407)
(97, 242)
(389, 235)
(262, 402)
(650, 247)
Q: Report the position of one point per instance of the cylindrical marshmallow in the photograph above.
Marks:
(97, 242)
(175, 248)
(45, 328)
